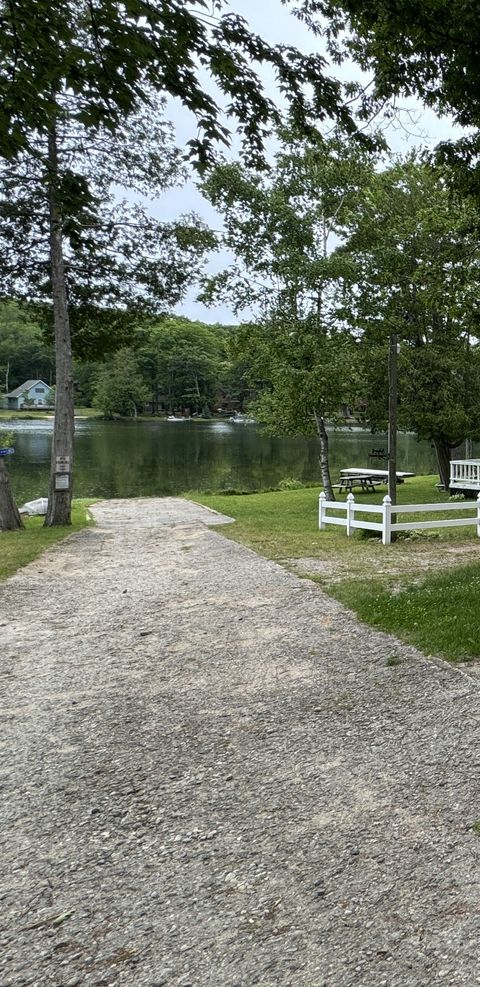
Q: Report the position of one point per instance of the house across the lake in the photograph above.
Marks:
(31, 394)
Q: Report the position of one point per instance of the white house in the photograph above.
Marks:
(31, 394)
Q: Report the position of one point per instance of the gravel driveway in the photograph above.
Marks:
(212, 774)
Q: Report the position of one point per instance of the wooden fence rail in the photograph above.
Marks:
(386, 526)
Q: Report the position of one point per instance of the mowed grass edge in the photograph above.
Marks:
(18, 548)
(440, 615)
(437, 612)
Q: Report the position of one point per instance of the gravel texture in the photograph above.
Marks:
(212, 774)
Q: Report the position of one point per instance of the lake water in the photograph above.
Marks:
(127, 459)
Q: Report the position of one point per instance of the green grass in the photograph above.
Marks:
(18, 548)
(387, 586)
(284, 524)
(31, 414)
(440, 615)
(88, 413)
(9, 416)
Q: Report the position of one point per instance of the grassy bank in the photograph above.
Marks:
(17, 548)
(10, 416)
(88, 413)
(424, 588)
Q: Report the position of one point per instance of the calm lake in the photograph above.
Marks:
(128, 459)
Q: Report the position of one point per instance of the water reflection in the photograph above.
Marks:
(126, 459)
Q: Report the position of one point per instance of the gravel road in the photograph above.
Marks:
(212, 774)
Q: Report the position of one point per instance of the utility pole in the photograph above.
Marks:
(392, 417)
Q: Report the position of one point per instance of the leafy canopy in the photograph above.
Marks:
(428, 49)
(416, 273)
(119, 387)
(109, 55)
(281, 228)
(118, 257)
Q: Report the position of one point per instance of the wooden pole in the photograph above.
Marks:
(392, 417)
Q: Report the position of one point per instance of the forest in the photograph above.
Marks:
(164, 366)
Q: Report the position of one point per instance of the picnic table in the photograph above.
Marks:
(364, 481)
(381, 475)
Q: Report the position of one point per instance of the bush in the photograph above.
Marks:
(290, 483)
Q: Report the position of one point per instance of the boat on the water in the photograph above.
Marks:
(242, 420)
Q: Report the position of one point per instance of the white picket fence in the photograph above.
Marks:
(386, 509)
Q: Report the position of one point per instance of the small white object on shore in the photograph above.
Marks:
(34, 507)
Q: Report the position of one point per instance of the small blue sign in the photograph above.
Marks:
(7, 452)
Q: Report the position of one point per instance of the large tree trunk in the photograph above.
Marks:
(443, 450)
(10, 519)
(324, 463)
(60, 491)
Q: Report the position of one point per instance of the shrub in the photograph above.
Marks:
(290, 483)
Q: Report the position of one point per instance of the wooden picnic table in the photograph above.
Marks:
(381, 475)
(364, 481)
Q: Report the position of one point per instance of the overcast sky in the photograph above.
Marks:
(272, 21)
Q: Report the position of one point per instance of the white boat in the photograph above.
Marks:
(174, 418)
(242, 420)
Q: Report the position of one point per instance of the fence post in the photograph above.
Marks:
(386, 520)
(478, 515)
(350, 512)
(321, 510)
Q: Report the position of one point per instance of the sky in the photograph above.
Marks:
(277, 25)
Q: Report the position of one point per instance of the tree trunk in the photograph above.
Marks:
(324, 464)
(442, 450)
(60, 491)
(10, 519)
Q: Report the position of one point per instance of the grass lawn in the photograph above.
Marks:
(424, 588)
(440, 614)
(17, 548)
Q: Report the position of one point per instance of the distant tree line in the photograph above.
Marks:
(161, 366)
